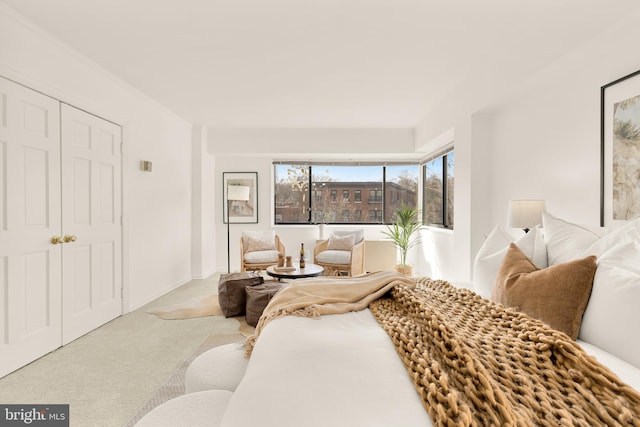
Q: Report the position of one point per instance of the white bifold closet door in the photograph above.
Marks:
(91, 222)
(30, 215)
(60, 224)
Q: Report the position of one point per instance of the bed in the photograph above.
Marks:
(352, 369)
(317, 376)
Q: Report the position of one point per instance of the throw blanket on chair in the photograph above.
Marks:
(474, 362)
(327, 295)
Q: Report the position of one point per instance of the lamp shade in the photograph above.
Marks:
(238, 192)
(525, 213)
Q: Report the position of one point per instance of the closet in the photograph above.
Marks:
(60, 224)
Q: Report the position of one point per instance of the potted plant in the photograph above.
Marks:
(401, 233)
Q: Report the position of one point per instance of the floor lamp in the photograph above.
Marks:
(237, 193)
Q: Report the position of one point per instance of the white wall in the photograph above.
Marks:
(204, 197)
(314, 142)
(157, 205)
(536, 138)
(546, 141)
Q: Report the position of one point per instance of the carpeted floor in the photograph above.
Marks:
(108, 375)
(174, 386)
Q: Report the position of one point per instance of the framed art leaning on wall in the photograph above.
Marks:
(620, 149)
(240, 197)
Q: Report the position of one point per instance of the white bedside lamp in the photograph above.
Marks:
(525, 214)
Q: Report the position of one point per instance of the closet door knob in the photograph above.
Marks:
(69, 238)
(56, 239)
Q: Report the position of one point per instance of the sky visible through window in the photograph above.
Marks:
(363, 173)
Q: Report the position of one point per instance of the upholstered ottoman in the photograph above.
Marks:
(220, 368)
(257, 299)
(231, 293)
(205, 408)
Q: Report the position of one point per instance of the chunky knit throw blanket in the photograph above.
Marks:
(477, 363)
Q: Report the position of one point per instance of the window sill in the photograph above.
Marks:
(434, 229)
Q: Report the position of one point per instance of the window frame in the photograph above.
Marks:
(441, 154)
(357, 193)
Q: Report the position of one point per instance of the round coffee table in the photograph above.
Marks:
(309, 270)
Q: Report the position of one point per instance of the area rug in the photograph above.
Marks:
(202, 307)
(206, 306)
(174, 386)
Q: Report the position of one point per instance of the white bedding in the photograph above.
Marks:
(625, 371)
(339, 370)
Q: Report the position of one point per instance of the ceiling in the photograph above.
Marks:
(315, 63)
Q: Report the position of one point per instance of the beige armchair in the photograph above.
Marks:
(342, 253)
(259, 250)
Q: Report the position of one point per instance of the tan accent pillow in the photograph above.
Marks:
(258, 241)
(341, 243)
(557, 295)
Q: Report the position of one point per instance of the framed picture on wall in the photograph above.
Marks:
(240, 197)
(620, 149)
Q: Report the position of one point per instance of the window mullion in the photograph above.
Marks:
(444, 191)
(309, 205)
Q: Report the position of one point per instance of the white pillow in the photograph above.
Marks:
(259, 240)
(488, 261)
(341, 243)
(611, 318)
(566, 241)
(628, 232)
(359, 234)
(490, 256)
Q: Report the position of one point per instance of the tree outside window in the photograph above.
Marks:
(438, 190)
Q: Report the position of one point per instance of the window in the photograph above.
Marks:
(438, 185)
(332, 193)
(375, 196)
(375, 216)
(401, 187)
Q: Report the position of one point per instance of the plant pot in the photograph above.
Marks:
(405, 269)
